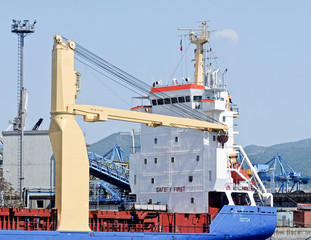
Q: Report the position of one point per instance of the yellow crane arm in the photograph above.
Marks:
(67, 139)
(96, 113)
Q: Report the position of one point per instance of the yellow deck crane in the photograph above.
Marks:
(67, 139)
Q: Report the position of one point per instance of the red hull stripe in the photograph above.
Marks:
(176, 87)
(207, 100)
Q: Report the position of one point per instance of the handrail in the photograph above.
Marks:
(250, 165)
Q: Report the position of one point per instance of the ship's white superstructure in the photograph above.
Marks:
(179, 167)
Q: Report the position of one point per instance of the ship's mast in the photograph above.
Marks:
(198, 37)
(199, 40)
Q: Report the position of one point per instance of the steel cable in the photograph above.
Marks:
(96, 63)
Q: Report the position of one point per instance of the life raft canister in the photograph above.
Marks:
(222, 139)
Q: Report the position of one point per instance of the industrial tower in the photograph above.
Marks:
(22, 29)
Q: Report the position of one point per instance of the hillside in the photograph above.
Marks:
(297, 154)
(123, 139)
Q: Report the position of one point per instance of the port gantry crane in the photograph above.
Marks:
(282, 176)
(67, 139)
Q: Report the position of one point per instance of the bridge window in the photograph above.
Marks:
(241, 199)
(217, 199)
(190, 178)
(155, 141)
(135, 179)
(224, 119)
(154, 102)
(176, 139)
(197, 98)
(172, 159)
(160, 101)
(155, 160)
(167, 100)
(152, 180)
(145, 160)
(214, 138)
(174, 100)
(181, 99)
(192, 200)
(198, 158)
(210, 175)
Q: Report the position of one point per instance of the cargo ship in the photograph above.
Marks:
(190, 179)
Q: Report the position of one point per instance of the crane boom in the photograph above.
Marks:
(96, 113)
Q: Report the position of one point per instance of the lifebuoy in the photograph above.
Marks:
(228, 187)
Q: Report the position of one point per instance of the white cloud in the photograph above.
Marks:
(227, 35)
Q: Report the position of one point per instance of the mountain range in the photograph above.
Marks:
(297, 154)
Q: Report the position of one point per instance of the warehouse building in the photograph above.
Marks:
(38, 166)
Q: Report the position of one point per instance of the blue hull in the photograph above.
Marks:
(232, 222)
(244, 222)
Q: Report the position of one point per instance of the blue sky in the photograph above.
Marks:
(264, 44)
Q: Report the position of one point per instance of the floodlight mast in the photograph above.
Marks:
(22, 29)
